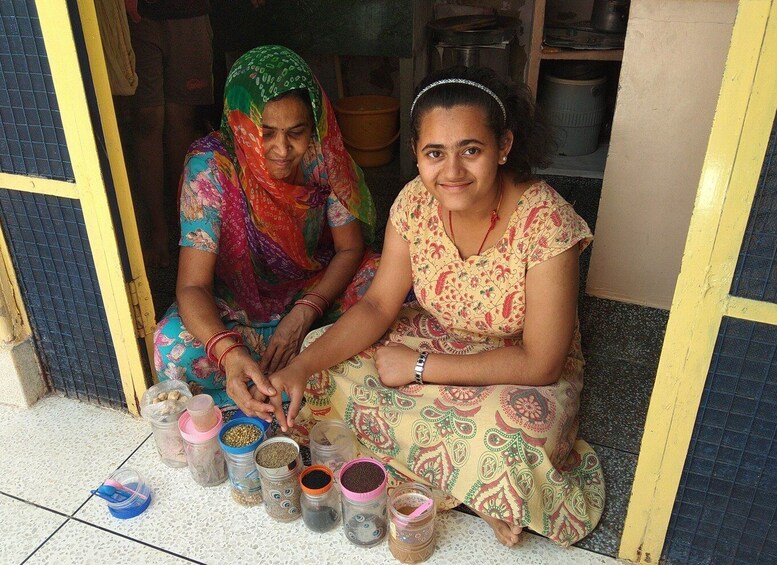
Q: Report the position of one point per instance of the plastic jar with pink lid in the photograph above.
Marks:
(363, 486)
(203, 452)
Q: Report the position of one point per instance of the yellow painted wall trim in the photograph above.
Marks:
(752, 310)
(39, 185)
(113, 145)
(737, 144)
(71, 97)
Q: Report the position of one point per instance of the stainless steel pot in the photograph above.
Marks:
(610, 15)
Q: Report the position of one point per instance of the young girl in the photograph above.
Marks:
(474, 389)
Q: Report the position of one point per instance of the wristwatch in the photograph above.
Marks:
(419, 367)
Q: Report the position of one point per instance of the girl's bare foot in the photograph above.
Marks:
(507, 534)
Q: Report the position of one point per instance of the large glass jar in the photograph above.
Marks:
(279, 464)
(320, 500)
(363, 484)
(411, 523)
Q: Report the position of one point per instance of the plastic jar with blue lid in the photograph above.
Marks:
(133, 494)
(237, 441)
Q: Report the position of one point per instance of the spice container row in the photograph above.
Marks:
(337, 489)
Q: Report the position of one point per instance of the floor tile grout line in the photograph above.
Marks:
(85, 502)
(44, 542)
(36, 505)
(69, 517)
(104, 529)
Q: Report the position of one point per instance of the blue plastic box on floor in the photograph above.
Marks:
(126, 493)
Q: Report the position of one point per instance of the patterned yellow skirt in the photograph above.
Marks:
(506, 451)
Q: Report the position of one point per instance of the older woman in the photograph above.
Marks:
(273, 212)
(475, 388)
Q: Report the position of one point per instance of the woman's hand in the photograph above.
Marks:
(243, 372)
(291, 379)
(287, 339)
(395, 364)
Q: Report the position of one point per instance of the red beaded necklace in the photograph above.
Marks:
(494, 220)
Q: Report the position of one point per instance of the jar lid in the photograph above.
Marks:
(310, 481)
(257, 422)
(377, 483)
(190, 433)
(473, 30)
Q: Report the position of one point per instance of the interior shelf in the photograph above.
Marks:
(557, 53)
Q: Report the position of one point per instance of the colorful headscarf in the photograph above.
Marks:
(280, 209)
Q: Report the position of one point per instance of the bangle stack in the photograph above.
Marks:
(217, 337)
(224, 354)
(324, 299)
(310, 304)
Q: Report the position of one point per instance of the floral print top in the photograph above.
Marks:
(202, 189)
(484, 295)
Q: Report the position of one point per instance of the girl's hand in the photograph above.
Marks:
(292, 379)
(242, 374)
(287, 339)
(395, 364)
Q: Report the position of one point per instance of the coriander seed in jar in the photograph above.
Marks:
(239, 439)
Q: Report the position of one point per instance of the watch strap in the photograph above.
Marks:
(419, 367)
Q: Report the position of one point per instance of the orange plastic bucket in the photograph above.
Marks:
(370, 127)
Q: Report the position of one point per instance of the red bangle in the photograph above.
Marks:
(208, 343)
(217, 338)
(311, 304)
(327, 302)
(225, 352)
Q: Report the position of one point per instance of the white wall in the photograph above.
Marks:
(669, 84)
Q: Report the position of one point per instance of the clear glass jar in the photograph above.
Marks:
(320, 500)
(203, 452)
(332, 445)
(363, 485)
(243, 474)
(279, 464)
(411, 523)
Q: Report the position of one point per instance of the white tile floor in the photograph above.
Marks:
(54, 453)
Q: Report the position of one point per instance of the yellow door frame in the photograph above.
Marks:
(142, 301)
(128, 305)
(732, 165)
